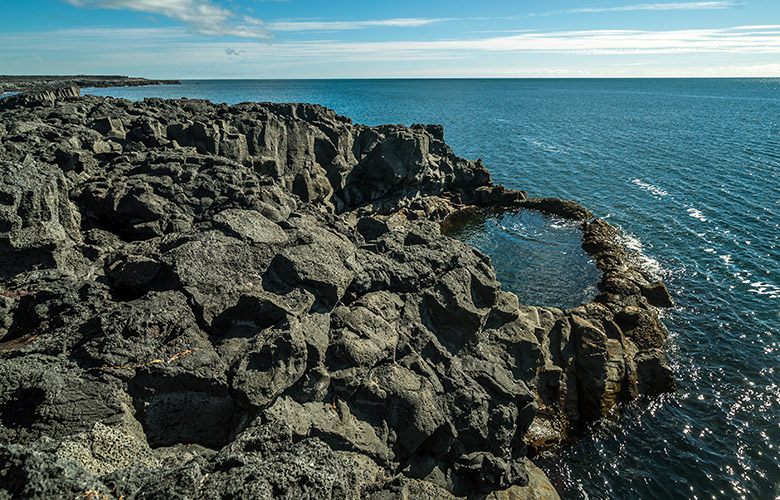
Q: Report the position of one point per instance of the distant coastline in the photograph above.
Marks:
(22, 83)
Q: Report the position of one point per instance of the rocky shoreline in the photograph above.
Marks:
(257, 301)
(16, 83)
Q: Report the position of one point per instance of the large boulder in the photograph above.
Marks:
(39, 225)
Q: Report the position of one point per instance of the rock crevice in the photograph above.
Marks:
(257, 301)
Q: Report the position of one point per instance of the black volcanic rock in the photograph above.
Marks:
(220, 301)
(21, 83)
(39, 97)
(562, 208)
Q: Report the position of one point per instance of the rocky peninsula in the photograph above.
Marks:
(17, 83)
(257, 301)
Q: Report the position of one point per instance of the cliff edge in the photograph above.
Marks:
(256, 301)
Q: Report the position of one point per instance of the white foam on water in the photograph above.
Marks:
(649, 187)
(550, 148)
(696, 214)
(758, 287)
(558, 223)
(632, 242)
(649, 264)
(545, 147)
(725, 258)
(761, 288)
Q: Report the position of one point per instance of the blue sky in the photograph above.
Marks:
(400, 38)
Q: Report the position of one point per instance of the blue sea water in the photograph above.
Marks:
(536, 256)
(689, 169)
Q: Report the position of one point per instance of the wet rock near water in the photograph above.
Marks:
(255, 301)
(603, 353)
(566, 209)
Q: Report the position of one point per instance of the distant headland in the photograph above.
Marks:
(21, 83)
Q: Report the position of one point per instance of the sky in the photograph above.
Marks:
(192, 39)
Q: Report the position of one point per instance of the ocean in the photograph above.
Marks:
(689, 169)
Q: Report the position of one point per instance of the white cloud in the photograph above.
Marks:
(717, 5)
(352, 25)
(201, 16)
(737, 51)
(736, 40)
(317, 25)
(731, 40)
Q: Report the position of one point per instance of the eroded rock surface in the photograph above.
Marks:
(211, 301)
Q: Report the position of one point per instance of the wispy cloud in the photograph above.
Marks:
(743, 50)
(318, 25)
(716, 5)
(201, 16)
(353, 25)
(738, 40)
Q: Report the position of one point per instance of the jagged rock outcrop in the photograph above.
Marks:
(249, 301)
(602, 353)
(40, 97)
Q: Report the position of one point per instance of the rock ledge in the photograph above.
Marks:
(256, 301)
